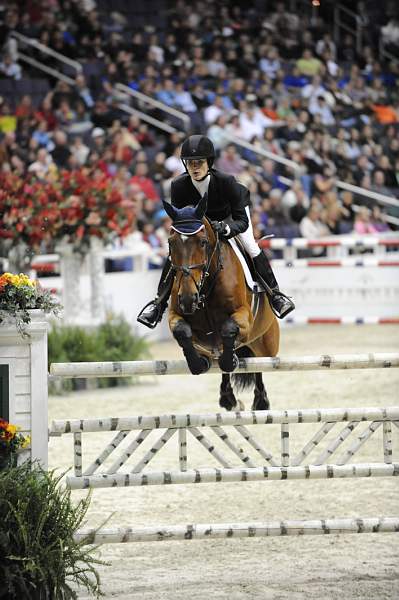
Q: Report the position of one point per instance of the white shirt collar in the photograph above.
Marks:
(202, 186)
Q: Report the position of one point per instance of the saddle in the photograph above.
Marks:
(247, 265)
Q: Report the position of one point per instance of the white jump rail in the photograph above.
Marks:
(352, 261)
(348, 320)
(246, 365)
(331, 242)
(291, 467)
(237, 530)
(110, 471)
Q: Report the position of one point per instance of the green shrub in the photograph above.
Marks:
(39, 559)
(111, 341)
(115, 342)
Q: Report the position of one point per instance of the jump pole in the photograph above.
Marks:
(246, 365)
(237, 530)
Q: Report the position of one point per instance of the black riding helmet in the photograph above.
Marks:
(197, 147)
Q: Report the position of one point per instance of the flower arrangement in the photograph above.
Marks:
(73, 207)
(19, 294)
(92, 207)
(29, 210)
(10, 442)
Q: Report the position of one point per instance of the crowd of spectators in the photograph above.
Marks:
(271, 77)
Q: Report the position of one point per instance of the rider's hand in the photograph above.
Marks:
(221, 228)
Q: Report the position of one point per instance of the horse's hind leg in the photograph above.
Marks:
(261, 401)
(227, 399)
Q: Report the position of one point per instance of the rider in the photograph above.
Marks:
(228, 211)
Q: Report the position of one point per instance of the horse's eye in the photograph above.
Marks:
(204, 243)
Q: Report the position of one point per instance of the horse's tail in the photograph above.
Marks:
(242, 381)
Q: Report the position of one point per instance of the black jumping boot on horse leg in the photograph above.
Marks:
(280, 303)
(152, 312)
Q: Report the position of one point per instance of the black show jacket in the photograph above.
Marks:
(227, 199)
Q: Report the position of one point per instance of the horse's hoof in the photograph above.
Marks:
(261, 403)
(228, 402)
(230, 364)
(201, 365)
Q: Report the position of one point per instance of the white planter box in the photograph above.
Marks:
(26, 358)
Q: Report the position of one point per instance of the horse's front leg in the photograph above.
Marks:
(229, 331)
(197, 363)
(234, 328)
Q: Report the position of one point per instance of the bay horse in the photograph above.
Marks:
(210, 312)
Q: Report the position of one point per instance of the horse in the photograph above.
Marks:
(210, 313)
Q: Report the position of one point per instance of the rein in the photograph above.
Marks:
(186, 270)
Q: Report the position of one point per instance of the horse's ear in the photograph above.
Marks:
(200, 209)
(169, 209)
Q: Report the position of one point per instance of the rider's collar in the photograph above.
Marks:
(203, 185)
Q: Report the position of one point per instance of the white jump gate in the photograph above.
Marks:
(248, 458)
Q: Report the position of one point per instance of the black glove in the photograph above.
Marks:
(221, 228)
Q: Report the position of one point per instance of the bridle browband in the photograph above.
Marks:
(186, 270)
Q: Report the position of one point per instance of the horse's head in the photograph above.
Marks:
(190, 245)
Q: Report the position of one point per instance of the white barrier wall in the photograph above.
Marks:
(342, 291)
(26, 359)
(317, 291)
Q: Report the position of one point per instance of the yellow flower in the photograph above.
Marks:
(26, 442)
(12, 429)
(17, 280)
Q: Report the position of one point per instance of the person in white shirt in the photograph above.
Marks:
(212, 112)
(253, 122)
(311, 226)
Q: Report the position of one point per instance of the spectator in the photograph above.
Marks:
(252, 121)
(309, 65)
(378, 183)
(298, 211)
(80, 150)
(230, 161)
(294, 196)
(173, 164)
(377, 220)
(60, 153)
(347, 212)
(24, 109)
(144, 182)
(363, 224)
(321, 108)
(312, 226)
(276, 215)
(8, 121)
(214, 110)
(10, 68)
(43, 164)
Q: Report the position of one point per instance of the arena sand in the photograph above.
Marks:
(332, 567)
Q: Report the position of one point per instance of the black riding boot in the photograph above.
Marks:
(280, 303)
(152, 312)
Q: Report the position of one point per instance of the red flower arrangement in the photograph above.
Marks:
(29, 209)
(72, 208)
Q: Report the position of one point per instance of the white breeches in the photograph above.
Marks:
(247, 238)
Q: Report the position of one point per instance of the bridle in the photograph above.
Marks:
(186, 270)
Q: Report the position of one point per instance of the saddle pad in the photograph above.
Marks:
(253, 285)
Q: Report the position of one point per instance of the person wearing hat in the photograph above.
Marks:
(228, 212)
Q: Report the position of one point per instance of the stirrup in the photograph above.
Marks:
(158, 315)
(287, 311)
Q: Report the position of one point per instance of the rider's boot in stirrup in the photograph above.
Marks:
(152, 312)
(280, 303)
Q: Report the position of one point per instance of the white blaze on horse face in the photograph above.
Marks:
(183, 237)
